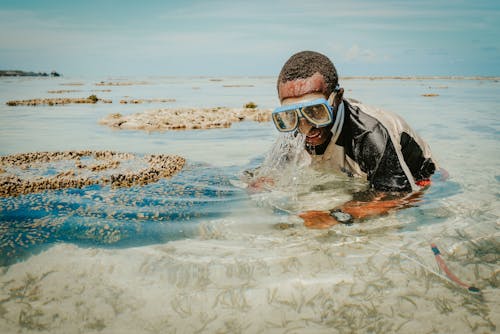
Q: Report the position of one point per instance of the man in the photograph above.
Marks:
(344, 135)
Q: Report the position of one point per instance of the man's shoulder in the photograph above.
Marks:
(363, 119)
(371, 110)
(389, 120)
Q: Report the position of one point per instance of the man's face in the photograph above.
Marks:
(302, 90)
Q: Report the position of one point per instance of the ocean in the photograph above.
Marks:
(198, 253)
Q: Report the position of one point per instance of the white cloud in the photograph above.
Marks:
(264, 10)
(357, 54)
(236, 34)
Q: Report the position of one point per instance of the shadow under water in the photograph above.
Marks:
(115, 217)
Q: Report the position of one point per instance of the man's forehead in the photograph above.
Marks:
(315, 83)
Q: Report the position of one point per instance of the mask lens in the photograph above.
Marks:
(285, 120)
(317, 114)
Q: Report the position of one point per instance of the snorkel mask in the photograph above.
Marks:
(318, 112)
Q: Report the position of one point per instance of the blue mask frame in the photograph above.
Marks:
(298, 107)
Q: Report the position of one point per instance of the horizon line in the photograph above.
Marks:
(346, 77)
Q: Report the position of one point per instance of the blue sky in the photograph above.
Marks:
(91, 37)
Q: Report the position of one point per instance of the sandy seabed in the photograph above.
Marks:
(220, 283)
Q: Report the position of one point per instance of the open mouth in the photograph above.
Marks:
(313, 134)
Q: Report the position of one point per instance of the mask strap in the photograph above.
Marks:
(332, 96)
(339, 123)
(339, 115)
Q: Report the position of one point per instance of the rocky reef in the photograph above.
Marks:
(139, 101)
(24, 173)
(63, 91)
(17, 73)
(121, 83)
(56, 101)
(185, 118)
(91, 99)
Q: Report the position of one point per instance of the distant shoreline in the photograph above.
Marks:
(17, 73)
(421, 77)
(347, 77)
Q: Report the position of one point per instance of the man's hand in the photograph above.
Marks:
(318, 219)
(260, 184)
(361, 210)
(379, 205)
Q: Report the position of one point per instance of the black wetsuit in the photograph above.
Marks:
(382, 147)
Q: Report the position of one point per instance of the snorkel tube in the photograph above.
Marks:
(339, 123)
(339, 115)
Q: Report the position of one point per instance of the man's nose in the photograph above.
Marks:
(304, 126)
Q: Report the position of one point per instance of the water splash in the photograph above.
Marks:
(285, 161)
(293, 184)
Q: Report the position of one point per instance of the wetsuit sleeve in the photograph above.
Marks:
(421, 167)
(378, 159)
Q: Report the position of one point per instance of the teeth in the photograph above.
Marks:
(314, 135)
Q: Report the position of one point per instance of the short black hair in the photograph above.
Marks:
(305, 64)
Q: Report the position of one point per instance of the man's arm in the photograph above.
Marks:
(387, 176)
(361, 207)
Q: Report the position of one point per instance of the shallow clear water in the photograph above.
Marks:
(198, 253)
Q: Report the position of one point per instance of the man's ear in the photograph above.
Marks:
(336, 97)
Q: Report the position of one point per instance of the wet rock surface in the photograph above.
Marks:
(115, 214)
(186, 119)
(56, 101)
(34, 172)
(17, 73)
(139, 101)
(63, 91)
(121, 83)
(92, 99)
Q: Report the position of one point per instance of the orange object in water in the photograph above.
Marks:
(448, 272)
(423, 183)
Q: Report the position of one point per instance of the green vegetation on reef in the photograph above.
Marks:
(93, 98)
(251, 105)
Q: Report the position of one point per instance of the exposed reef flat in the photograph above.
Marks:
(121, 83)
(91, 99)
(72, 84)
(237, 86)
(139, 101)
(17, 73)
(56, 101)
(185, 119)
(27, 173)
(63, 91)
